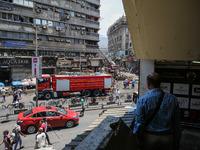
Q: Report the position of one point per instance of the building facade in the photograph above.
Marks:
(120, 45)
(65, 29)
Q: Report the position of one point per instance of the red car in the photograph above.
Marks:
(56, 117)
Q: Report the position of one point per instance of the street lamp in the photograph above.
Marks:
(36, 55)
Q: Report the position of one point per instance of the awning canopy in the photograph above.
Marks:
(164, 30)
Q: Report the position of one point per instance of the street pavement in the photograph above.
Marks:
(59, 136)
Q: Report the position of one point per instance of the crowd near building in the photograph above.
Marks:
(67, 33)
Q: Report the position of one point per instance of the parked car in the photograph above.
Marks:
(55, 116)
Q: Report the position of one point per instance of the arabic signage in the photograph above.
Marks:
(15, 62)
(37, 67)
(14, 44)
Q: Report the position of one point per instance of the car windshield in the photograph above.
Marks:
(61, 110)
(28, 112)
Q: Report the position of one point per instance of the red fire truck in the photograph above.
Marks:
(62, 85)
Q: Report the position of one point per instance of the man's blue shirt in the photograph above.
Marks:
(166, 119)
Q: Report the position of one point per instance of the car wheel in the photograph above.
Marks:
(87, 93)
(47, 95)
(96, 93)
(69, 124)
(31, 129)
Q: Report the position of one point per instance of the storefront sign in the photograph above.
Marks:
(37, 67)
(15, 62)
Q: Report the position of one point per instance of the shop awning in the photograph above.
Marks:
(164, 30)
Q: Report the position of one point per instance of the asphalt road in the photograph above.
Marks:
(65, 134)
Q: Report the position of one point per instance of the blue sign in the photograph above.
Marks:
(14, 44)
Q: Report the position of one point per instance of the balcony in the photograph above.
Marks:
(96, 2)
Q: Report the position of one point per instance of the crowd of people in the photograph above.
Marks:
(12, 140)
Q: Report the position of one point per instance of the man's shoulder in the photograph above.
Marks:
(170, 95)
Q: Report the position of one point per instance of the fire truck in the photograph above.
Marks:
(62, 85)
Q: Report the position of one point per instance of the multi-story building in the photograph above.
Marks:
(120, 45)
(65, 29)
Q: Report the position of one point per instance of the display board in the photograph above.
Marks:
(185, 85)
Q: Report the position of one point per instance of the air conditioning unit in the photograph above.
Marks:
(82, 32)
(57, 28)
(38, 10)
(68, 17)
(44, 27)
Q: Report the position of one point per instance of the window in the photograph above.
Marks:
(30, 4)
(38, 21)
(26, 19)
(76, 41)
(50, 23)
(21, 2)
(62, 11)
(31, 36)
(39, 115)
(61, 110)
(72, 14)
(62, 25)
(72, 41)
(9, 34)
(3, 33)
(81, 42)
(15, 35)
(16, 1)
(9, 16)
(44, 22)
(57, 24)
(50, 9)
(26, 3)
(52, 114)
(67, 26)
(16, 18)
(25, 36)
(4, 16)
(28, 112)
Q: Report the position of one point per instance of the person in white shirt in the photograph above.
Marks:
(40, 139)
(3, 92)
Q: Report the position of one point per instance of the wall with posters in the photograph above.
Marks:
(184, 83)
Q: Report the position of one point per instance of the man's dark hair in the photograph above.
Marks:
(154, 79)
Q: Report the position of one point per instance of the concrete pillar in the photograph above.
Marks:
(146, 67)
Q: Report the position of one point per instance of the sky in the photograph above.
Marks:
(110, 11)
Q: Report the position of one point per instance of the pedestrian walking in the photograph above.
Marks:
(15, 97)
(83, 106)
(18, 133)
(117, 95)
(40, 139)
(158, 114)
(124, 83)
(20, 93)
(7, 140)
(45, 131)
(127, 82)
(3, 92)
(133, 83)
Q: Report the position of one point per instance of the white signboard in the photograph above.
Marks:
(165, 87)
(196, 90)
(183, 102)
(195, 104)
(182, 89)
(37, 67)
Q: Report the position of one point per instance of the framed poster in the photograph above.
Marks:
(183, 102)
(166, 87)
(181, 89)
(195, 104)
(195, 90)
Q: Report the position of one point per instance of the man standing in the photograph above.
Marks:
(117, 95)
(164, 130)
(18, 133)
(3, 92)
(7, 140)
(83, 106)
(40, 139)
